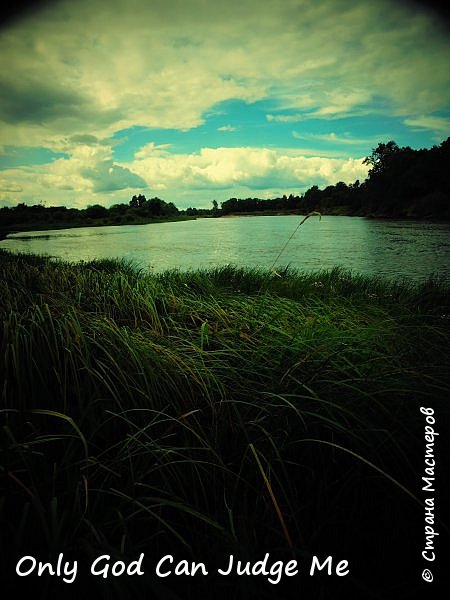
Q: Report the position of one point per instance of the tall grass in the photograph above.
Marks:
(191, 414)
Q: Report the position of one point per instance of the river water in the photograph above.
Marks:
(396, 249)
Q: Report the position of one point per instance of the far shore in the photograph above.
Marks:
(27, 227)
(38, 227)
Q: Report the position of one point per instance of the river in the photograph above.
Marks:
(397, 249)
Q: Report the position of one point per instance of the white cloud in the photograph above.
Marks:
(227, 128)
(89, 176)
(10, 186)
(346, 139)
(152, 149)
(342, 102)
(285, 118)
(90, 168)
(256, 168)
(439, 125)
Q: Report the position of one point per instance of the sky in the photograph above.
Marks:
(200, 100)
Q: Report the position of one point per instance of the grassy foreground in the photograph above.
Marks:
(209, 413)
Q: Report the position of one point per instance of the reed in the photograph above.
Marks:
(162, 413)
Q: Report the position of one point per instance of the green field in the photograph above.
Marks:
(217, 412)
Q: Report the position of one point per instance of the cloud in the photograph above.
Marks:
(285, 118)
(439, 125)
(74, 74)
(227, 128)
(342, 102)
(152, 149)
(91, 169)
(10, 186)
(90, 175)
(89, 140)
(256, 168)
(30, 99)
(108, 177)
(345, 139)
(92, 68)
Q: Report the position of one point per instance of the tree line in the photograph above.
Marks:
(401, 182)
(138, 210)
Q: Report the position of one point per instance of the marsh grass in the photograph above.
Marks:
(193, 414)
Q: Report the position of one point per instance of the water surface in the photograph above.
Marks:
(392, 248)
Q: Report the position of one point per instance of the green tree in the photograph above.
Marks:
(138, 201)
(381, 157)
(96, 211)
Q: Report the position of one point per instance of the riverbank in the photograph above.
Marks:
(210, 413)
(46, 226)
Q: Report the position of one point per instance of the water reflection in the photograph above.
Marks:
(400, 249)
(410, 249)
